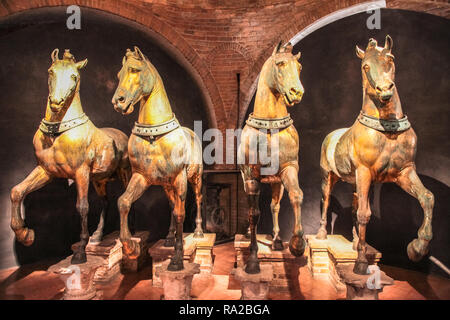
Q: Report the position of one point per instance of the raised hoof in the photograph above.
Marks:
(130, 248)
(297, 245)
(78, 258)
(360, 267)
(198, 234)
(169, 242)
(175, 264)
(321, 234)
(277, 245)
(417, 249)
(252, 267)
(25, 236)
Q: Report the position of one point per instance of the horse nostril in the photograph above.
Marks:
(378, 89)
(121, 99)
(391, 86)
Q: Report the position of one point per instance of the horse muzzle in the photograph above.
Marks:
(123, 107)
(293, 97)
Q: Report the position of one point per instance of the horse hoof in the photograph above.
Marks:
(198, 234)
(321, 234)
(252, 267)
(277, 245)
(360, 267)
(175, 264)
(417, 249)
(297, 245)
(78, 258)
(169, 242)
(25, 236)
(130, 249)
(96, 238)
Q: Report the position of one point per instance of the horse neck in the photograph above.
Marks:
(391, 110)
(155, 108)
(73, 111)
(268, 104)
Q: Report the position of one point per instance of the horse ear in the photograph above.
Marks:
(360, 53)
(389, 43)
(81, 64)
(277, 47)
(124, 60)
(54, 55)
(298, 55)
(139, 52)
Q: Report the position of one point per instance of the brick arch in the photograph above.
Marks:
(124, 9)
(435, 7)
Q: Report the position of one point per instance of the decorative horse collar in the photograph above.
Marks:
(152, 131)
(267, 123)
(54, 128)
(396, 125)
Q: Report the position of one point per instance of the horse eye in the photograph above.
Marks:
(366, 67)
(281, 64)
(74, 77)
(134, 70)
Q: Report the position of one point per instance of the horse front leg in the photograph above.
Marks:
(35, 180)
(136, 187)
(170, 239)
(180, 189)
(277, 194)
(82, 184)
(289, 177)
(363, 182)
(410, 182)
(355, 220)
(328, 181)
(252, 189)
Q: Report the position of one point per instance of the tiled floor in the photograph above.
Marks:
(33, 282)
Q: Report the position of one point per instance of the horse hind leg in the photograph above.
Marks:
(170, 238)
(196, 182)
(328, 181)
(410, 182)
(277, 194)
(100, 188)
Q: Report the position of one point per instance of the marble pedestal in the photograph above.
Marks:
(204, 252)
(324, 256)
(177, 284)
(254, 286)
(109, 250)
(134, 265)
(283, 262)
(159, 254)
(79, 278)
(363, 287)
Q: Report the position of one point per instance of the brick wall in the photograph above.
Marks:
(220, 38)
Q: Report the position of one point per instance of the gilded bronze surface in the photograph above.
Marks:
(361, 155)
(169, 160)
(278, 86)
(81, 152)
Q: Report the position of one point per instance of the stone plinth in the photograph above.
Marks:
(204, 252)
(363, 287)
(177, 284)
(283, 261)
(325, 255)
(254, 286)
(134, 265)
(159, 253)
(79, 278)
(109, 250)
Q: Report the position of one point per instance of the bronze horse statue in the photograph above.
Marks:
(68, 145)
(379, 147)
(278, 86)
(161, 151)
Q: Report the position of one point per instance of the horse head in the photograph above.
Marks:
(284, 74)
(63, 80)
(378, 70)
(136, 80)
